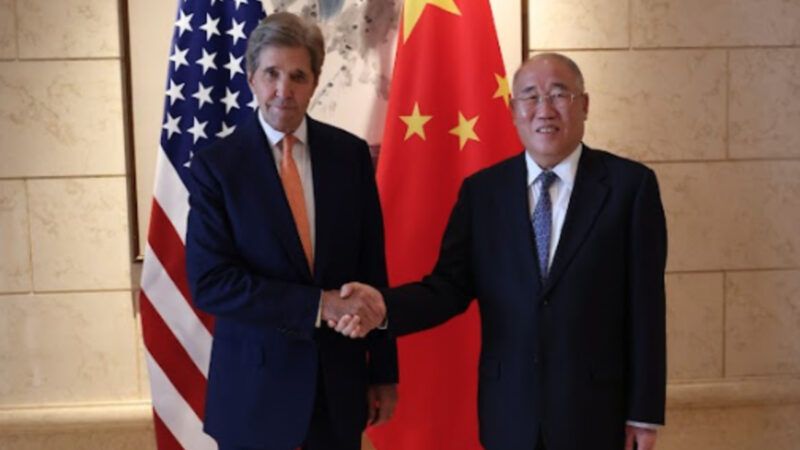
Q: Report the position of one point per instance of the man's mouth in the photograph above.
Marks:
(548, 129)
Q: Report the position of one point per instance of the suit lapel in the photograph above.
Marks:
(323, 172)
(272, 195)
(588, 196)
(521, 239)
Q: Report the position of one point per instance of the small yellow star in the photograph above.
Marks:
(502, 88)
(413, 9)
(465, 130)
(416, 123)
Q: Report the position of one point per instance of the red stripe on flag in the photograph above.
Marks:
(172, 357)
(169, 249)
(164, 438)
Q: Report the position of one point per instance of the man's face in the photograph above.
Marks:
(283, 84)
(551, 128)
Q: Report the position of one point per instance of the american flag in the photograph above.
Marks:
(206, 97)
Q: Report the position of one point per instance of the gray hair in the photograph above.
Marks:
(285, 29)
(566, 60)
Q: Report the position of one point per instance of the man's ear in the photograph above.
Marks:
(585, 105)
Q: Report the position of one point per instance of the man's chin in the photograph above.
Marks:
(284, 124)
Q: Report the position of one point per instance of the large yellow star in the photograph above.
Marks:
(502, 88)
(465, 130)
(416, 123)
(413, 10)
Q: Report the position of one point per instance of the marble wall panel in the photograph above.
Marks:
(764, 111)
(714, 23)
(694, 326)
(572, 24)
(61, 348)
(79, 229)
(61, 118)
(15, 263)
(8, 36)
(731, 215)
(762, 326)
(68, 29)
(656, 105)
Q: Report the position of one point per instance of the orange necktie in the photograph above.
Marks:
(290, 179)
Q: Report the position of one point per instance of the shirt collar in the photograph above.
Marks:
(274, 136)
(565, 170)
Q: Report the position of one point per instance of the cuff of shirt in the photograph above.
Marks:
(645, 425)
(318, 323)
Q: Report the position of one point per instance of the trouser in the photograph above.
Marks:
(321, 434)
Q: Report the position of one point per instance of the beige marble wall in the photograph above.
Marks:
(706, 94)
(8, 36)
(69, 337)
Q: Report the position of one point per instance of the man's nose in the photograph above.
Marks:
(283, 87)
(544, 109)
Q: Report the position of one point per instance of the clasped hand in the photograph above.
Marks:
(354, 310)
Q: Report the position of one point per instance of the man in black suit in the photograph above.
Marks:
(283, 211)
(564, 248)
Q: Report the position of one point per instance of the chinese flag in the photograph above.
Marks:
(448, 116)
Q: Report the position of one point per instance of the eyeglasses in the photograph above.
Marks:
(558, 99)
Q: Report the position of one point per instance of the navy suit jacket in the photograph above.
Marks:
(573, 357)
(246, 266)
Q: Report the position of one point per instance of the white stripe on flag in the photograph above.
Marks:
(175, 311)
(173, 410)
(171, 194)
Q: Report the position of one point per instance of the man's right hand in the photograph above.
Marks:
(355, 325)
(356, 307)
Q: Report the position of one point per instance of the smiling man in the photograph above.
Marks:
(283, 211)
(564, 248)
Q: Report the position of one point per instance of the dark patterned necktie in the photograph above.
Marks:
(543, 220)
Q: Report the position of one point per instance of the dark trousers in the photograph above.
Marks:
(540, 444)
(321, 434)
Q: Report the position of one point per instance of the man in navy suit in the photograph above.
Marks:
(564, 247)
(284, 211)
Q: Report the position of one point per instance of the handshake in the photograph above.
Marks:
(354, 310)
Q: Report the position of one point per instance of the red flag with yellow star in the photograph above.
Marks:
(448, 116)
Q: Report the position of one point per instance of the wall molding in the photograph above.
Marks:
(137, 414)
(734, 393)
(76, 417)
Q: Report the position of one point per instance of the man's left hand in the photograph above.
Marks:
(381, 400)
(645, 438)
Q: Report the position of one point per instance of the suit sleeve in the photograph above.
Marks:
(222, 284)
(448, 290)
(383, 367)
(647, 317)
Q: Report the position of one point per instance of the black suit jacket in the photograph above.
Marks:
(246, 267)
(578, 355)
